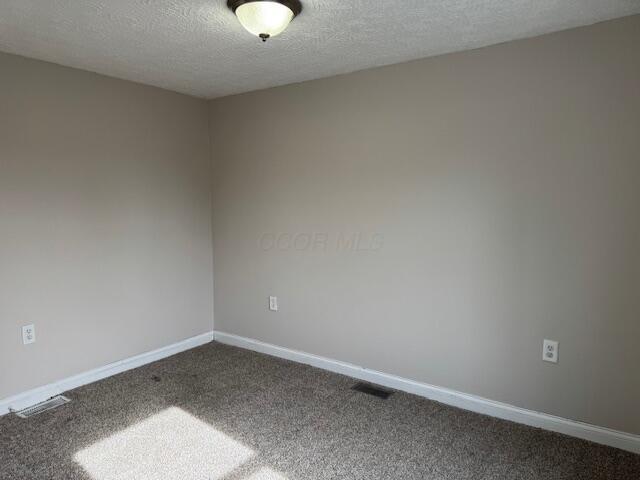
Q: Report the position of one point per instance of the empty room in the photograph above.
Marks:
(319, 239)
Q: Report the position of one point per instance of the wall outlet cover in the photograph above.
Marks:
(273, 304)
(550, 351)
(28, 334)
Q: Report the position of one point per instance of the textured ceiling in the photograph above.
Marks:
(198, 47)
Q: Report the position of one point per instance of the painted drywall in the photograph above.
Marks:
(105, 224)
(438, 219)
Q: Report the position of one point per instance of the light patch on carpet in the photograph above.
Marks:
(266, 474)
(170, 444)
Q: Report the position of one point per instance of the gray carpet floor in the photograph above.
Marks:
(222, 413)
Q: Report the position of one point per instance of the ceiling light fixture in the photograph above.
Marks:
(265, 18)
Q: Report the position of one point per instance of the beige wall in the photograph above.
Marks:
(105, 240)
(504, 187)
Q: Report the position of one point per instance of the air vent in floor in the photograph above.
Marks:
(53, 402)
(372, 390)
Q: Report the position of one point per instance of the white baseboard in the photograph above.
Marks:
(36, 395)
(605, 436)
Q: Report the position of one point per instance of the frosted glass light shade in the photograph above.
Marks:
(264, 18)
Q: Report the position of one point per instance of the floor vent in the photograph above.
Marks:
(53, 402)
(372, 390)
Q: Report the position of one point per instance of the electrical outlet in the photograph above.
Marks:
(273, 304)
(28, 334)
(550, 351)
